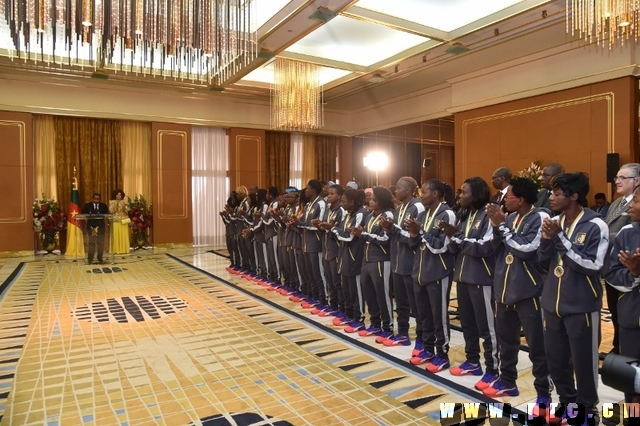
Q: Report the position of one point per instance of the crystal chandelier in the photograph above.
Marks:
(603, 21)
(296, 96)
(206, 41)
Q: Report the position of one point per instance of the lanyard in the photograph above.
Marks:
(428, 220)
(518, 221)
(403, 210)
(568, 232)
(467, 226)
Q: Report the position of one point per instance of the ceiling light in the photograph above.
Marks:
(376, 78)
(296, 96)
(208, 41)
(604, 20)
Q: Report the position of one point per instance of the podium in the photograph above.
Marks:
(96, 236)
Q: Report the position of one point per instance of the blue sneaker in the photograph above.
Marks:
(438, 364)
(354, 327)
(466, 369)
(422, 358)
(487, 380)
(542, 407)
(382, 336)
(369, 331)
(397, 340)
(498, 389)
(418, 347)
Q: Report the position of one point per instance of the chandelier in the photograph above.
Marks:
(296, 96)
(604, 21)
(207, 41)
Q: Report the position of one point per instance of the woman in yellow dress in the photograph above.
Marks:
(119, 208)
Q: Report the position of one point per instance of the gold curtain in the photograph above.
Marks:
(308, 159)
(45, 161)
(278, 151)
(93, 147)
(326, 154)
(135, 139)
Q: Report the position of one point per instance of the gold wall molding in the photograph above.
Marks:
(259, 152)
(22, 174)
(607, 97)
(185, 166)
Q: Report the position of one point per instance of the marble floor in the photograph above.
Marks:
(170, 337)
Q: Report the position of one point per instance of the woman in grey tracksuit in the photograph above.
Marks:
(350, 263)
(473, 273)
(432, 270)
(376, 268)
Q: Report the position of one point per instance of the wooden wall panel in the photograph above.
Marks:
(16, 182)
(171, 174)
(247, 161)
(575, 128)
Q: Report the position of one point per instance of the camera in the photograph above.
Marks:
(621, 373)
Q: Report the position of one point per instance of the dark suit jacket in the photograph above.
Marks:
(543, 198)
(89, 210)
(615, 221)
(603, 212)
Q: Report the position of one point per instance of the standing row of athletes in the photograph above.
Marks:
(523, 260)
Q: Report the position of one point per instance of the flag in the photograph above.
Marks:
(75, 242)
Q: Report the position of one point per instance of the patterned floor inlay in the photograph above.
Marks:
(161, 343)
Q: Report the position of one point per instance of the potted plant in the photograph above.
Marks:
(141, 217)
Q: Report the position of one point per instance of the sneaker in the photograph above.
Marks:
(319, 308)
(309, 304)
(397, 340)
(354, 327)
(498, 389)
(438, 363)
(382, 336)
(417, 348)
(466, 368)
(422, 358)
(329, 312)
(296, 297)
(369, 331)
(487, 380)
(341, 320)
(541, 407)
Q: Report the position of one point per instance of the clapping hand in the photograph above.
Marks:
(550, 228)
(357, 231)
(413, 226)
(447, 228)
(385, 222)
(631, 261)
(495, 213)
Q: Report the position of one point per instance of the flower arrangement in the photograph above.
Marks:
(533, 172)
(48, 220)
(141, 217)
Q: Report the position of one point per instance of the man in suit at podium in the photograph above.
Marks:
(95, 229)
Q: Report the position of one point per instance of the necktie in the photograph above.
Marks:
(618, 211)
(95, 207)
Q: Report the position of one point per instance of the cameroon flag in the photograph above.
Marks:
(75, 243)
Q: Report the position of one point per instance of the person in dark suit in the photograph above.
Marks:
(95, 230)
(500, 180)
(627, 179)
(548, 173)
(602, 205)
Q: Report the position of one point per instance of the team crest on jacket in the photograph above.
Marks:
(581, 237)
(477, 224)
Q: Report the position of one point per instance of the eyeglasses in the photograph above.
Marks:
(623, 178)
(496, 177)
